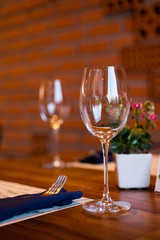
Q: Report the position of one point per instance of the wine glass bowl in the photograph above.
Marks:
(54, 109)
(104, 108)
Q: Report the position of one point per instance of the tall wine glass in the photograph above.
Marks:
(104, 108)
(54, 108)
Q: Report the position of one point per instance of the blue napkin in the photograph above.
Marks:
(10, 207)
(96, 158)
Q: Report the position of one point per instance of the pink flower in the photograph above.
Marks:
(137, 105)
(152, 117)
(143, 115)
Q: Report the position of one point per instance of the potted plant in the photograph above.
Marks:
(131, 147)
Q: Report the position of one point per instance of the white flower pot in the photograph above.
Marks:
(133, 170)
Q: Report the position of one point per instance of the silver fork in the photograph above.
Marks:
(56, 186)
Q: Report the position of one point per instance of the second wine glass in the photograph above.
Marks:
(104, 108)
(54, 108)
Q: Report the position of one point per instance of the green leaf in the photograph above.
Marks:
(134, 141)
(115, 145)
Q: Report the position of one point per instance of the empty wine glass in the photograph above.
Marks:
(104, 108)
(54, 108)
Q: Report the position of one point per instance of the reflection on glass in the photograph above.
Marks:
(54, 108)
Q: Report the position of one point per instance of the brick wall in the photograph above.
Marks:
(41, 39)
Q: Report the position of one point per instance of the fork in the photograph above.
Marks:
(56, 186)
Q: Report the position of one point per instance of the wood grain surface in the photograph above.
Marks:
(141, 222)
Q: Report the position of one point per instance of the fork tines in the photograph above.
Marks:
(58, 185)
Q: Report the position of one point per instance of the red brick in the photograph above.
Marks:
(12, 135)
(72, 6)
(11, 8)
(23, 123)
(36, 28)
(33, 110)
(2, 23)
(41, 69)
(62, 52)
(71, 139)
(107, 60)
(3, 98)
(32, 83)
(16, 19)
(12, 84)
(72, 65)
(44, 12)
(74, 94)
(34, 56)
(21, 97)
(73, 35)
(12, 110)
(91, 15)
(63, 22)
(18, 45)
(74, 123)
(97, 47)
(42, 41)
(73, 110)
(41, 124)
(123, 42)
(12, 34)
(23, 149)
(2, 73)
(2, 48)
(105, 29)
(89, 139)
(20, 71)
(12, 59)
(68, 79)
(35, 3)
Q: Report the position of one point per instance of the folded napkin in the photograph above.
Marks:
(96, 158)
(10, 207)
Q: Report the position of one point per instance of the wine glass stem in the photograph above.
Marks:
(106, 196)
(55, 133)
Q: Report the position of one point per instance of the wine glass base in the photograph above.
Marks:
(54, 164)
(57, 164)
(101, 207)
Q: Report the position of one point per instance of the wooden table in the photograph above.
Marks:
(141, 222)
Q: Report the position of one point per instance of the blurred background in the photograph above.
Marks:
(43, 39)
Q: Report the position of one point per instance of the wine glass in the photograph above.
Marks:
(104, 108)
(54, 108)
